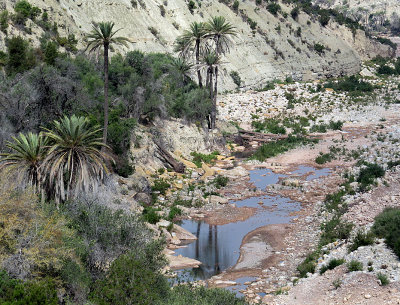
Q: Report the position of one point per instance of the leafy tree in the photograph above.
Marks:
(20, 58)
(74, 160)
(50, 53)
(103, 35)
(27, 153)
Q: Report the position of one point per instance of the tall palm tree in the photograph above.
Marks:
(103, 35)
(26, 156)
(211, 61)
(220, 32)
(74, 160)
(192, 38)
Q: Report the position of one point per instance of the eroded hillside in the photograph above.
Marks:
(268, 46)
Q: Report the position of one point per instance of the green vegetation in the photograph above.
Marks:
(368, 174)
(269, 125)
(362, 239)
(383, 279)
(220, 181)
(199, 158)
(387, 226)
(333, 263)
(354, 266)
(308, 265)
(275, 148)
(236, 78)
(323, 158)
(352, 85)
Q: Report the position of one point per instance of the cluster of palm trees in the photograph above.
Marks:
(205, 43)
(61, 162)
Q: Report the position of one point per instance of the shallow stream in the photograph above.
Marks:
(218, 246)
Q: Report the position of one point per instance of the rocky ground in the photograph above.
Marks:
(271, 254)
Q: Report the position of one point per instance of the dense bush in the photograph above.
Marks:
(134, 278)
(20, 56)
(361, 239)
(185, 294)
(335, 229)
(352, 85)
(354, 266)
(273, 8)
(24, 10)
(17, 292)
(332, 264)
(368, 174)
(236, 78)
(387, 225)
(269, 125)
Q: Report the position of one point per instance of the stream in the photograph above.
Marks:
(218, 246)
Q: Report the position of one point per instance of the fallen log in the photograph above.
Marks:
(167, 157)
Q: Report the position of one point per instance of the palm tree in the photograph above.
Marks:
(102, 35)
(182, 67)
(211, 61)
(28, 151)
(74, 160)
(192, 38)
(220, 32)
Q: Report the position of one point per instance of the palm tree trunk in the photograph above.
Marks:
(198, 63)
(210, 87)
(105, 93)
(214, 100)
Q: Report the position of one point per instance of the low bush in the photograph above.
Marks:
(199, 158)
(354, 266)
(150, 215)
(30, 292)
(236, 78)
(335, 229)
(323, 158)
(186, 294)
(308, 265)
(362, 239)
(387, 226)
(274, 148)
(273, 8)
(174, 211)
(269, 125)
(368, 174)
(383, 279)
(352, 85)
(332, 264)
(160, 185)
(220, 181)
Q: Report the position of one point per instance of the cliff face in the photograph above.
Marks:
(273, 50)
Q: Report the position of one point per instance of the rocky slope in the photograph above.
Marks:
(272, 50)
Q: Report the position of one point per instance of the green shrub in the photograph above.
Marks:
(388, 42)
(236, 78)
(160, 185)
(25, 10)
(191, 6)
(387, 226)
(20, 57)
(386, 70)
(352, 85)
(235, 5)
(295, 12)
(220, 181)
(274, 148)
(319, 48)
(174, 211)
(368, 174)
(308, 265)
(323, 158)
(336, 125)
(269, 125)
(199, 158)
(335, 229)
(273, 8)
(354, 266)
(150, 215)
(186, 294)
(133, 278)
(4, 21)
(50, 53)
(362, 239)
(31, 292)
(333, 263)
(383, 279)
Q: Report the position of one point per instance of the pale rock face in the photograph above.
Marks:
(254, 54)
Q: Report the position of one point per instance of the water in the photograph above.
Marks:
(312, 173)
(218, 247)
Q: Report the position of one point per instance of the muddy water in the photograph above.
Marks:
(218, 247)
